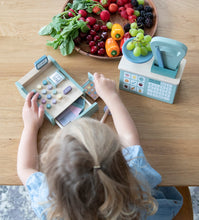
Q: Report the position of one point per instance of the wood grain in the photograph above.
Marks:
(169, 133)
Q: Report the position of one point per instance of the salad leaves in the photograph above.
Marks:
(65, 29)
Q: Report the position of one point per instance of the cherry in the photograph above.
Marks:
(104, 35)
(96, 38)
(96, 27)
(89, 38)
(91, 43)
(101, 44)
(77, 40)
(101, 52)
(104, 28)
(93, 32)
(82, 35)
(94, 49)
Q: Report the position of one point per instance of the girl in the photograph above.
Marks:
(89, 172)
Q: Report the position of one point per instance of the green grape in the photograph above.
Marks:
(147, 38)
(138, 44)
(140, 31)
(133, 32)
(144, 51)
(148, 47)
(137, 13)
(130, 45)
(137, 51)
(140, 2)
(109, 25)
(134, 25)
(140, 36)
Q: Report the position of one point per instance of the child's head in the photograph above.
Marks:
(88, 177)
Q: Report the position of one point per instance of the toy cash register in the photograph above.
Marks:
(62, 97)
(158, 74)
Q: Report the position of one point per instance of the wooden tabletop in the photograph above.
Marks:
(169, 133)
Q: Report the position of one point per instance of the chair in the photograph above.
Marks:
(186, 212)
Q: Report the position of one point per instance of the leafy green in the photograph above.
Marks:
(88, 5)
(64, 29)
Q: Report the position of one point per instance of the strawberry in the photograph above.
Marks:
(113, 1)
(130, 11)
(105, 15)
(96, 10)
(105, 3)
(124, 14)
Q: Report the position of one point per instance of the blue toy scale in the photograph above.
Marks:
(158, 77)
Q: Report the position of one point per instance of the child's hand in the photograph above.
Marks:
(105, 87)
(32, 114)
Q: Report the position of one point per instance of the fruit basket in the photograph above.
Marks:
(84, 49)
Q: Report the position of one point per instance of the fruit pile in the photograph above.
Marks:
(140, 43)
(87, 22)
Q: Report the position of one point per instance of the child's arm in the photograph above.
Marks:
(123, 122)
(27, 158)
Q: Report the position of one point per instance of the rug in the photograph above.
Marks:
(15, 203)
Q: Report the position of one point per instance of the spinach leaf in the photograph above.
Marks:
(46, 30)
(65, 29)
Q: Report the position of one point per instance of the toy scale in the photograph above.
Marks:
(62, 97)
(158, 77)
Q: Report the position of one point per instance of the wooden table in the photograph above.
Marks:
(169, 133)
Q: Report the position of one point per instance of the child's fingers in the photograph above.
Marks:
(28, 99)
(41, 111)
(34, 101)
(96, 75)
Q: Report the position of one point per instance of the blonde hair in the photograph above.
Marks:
(79, 191)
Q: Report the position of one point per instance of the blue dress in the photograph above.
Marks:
(169, 199)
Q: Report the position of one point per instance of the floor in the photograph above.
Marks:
(15, 205)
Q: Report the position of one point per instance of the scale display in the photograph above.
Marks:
(151, 88)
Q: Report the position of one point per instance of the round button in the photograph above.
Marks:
(48, 106)
(43, 101)
(54, 101)
(50, 87)
(44, 91)
(59, 96)
(54, 92)
(49, 96)
(45, 82)
(39, 86)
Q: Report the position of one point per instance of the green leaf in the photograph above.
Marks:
(89, 9)
(46, 30)
(74, 34)
(53, 33)
(67, 47)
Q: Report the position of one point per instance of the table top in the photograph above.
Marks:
(169, 133)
